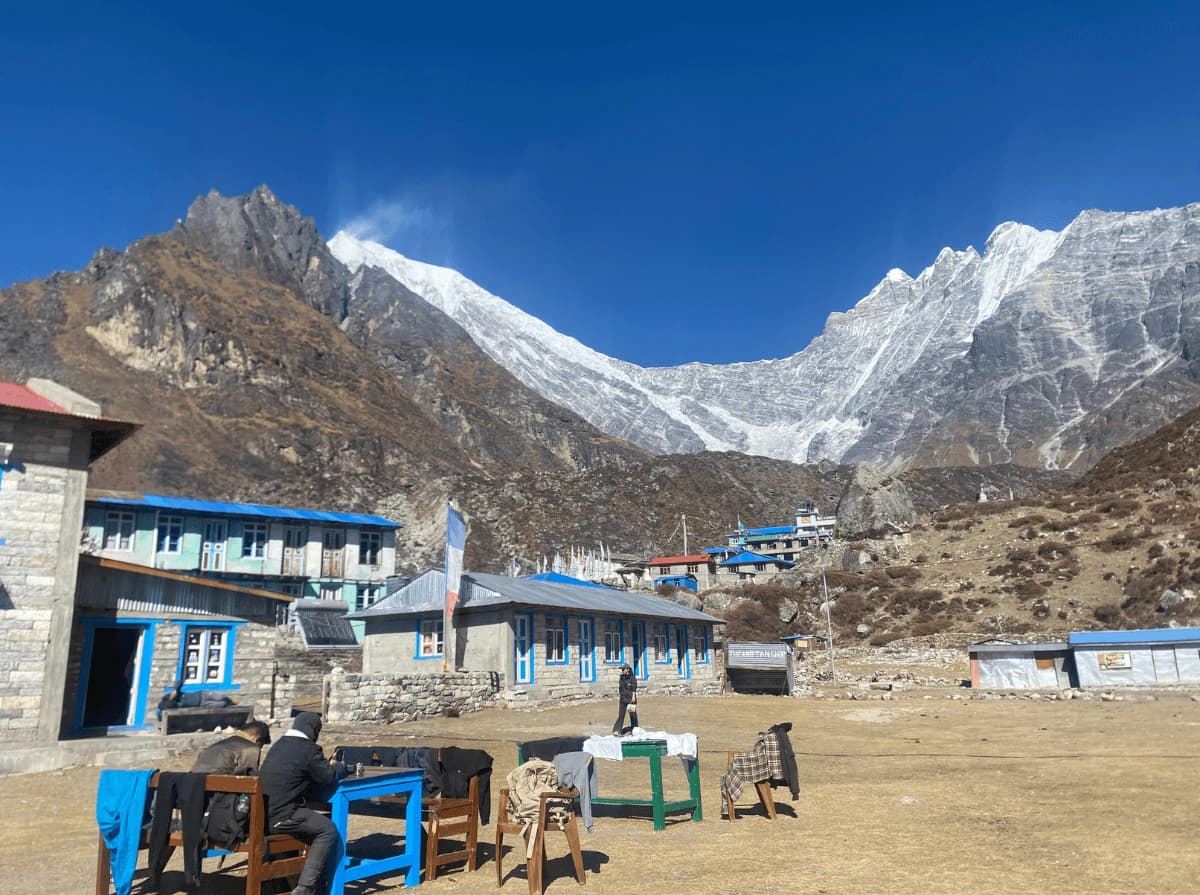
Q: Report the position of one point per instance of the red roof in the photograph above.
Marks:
(680, 560)
(25, 398)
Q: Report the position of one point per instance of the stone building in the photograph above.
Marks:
(138, 631)
(48, 437)
(544, 639)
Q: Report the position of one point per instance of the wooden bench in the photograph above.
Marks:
(267, 856)
(204, 717)
(446, 818)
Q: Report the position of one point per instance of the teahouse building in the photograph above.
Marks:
(1137, 658)
(545, 638)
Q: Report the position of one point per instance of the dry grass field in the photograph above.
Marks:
(923, 793)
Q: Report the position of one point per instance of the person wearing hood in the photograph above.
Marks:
(292, 765)
(627, 696)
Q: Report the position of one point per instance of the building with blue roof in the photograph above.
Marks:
(810, 529)
(1136, 658)
(748, 565)
(292, 551)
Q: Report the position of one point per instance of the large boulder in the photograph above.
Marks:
(872, 502)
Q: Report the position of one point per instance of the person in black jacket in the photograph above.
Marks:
(627, 695)
(292, 765)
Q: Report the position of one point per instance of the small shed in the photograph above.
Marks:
(999, 664)
(1137, 658)
(759, 667)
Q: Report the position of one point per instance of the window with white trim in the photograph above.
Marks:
(658, 639)
(367, 595)
(699, 645)
(331, 592)
(556, 639)
(119, 528)
(370, 546)
(204, 654)
(429, 641)
(170, 534)
(254, 540)
(613, 652)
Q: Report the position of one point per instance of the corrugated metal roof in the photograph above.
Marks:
(679, 560)
(749, 557)
(192, 505)
(1031, 648)
(1154, 635)
(559, 578)
(482, 591)
(773, 530)
(24, 398)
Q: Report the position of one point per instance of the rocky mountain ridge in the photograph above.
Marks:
(1047, 349)
(265, 370)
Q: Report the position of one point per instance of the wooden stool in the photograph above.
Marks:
(765, 797)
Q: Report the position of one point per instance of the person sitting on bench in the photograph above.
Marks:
(239, 754)
(292, 765)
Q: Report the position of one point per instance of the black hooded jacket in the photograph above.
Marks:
(292, 765)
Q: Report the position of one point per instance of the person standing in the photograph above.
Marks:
(292, 765)
(627, 696)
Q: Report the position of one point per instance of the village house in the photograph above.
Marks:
(49, 436)
(546, 639)
(810, 529)
(695, 572)
(140, 632)
(297, 552)
(747, 565)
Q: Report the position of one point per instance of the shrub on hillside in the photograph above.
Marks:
(903, 574)
(1026, 521)
(1107, 613)
(884, 638)
(1120, 540)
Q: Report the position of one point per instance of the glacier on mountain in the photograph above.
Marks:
(1040, 350)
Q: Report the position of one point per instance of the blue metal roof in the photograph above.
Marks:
(749, 557)
(559, 578)
(774, 530)
(1154, 635)
(192, 505)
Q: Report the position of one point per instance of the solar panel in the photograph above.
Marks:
(324, 628)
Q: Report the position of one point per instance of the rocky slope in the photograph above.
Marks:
(265, 370)
(1047, 349)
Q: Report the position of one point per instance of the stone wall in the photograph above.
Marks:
(41, 506)
(385, 698)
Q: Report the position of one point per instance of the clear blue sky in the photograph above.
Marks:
(664, 183)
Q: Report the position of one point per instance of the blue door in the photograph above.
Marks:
(683, 662)
(640, 666)
(523, 647)
(587, 651)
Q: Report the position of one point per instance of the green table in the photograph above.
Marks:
(655, 750)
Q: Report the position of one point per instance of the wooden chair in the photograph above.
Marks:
(267, 857)
(535, 864)
(762, 787)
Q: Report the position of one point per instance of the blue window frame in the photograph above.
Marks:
(614, 641)
(523, 654)
(206, 652)
(557, 651)
(661, 644)
(430, 638)
(683, 662)
(587, 651)
(637, 641)
(140, 682)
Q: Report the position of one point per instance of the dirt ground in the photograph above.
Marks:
(924, 793)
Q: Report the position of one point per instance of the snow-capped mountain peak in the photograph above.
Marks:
(1022, 353)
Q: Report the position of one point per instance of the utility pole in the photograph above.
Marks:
(828, 616)
(683, 519)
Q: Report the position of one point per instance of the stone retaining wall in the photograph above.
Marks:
(384, 698)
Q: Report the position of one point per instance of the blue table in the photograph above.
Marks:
(373, 785)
